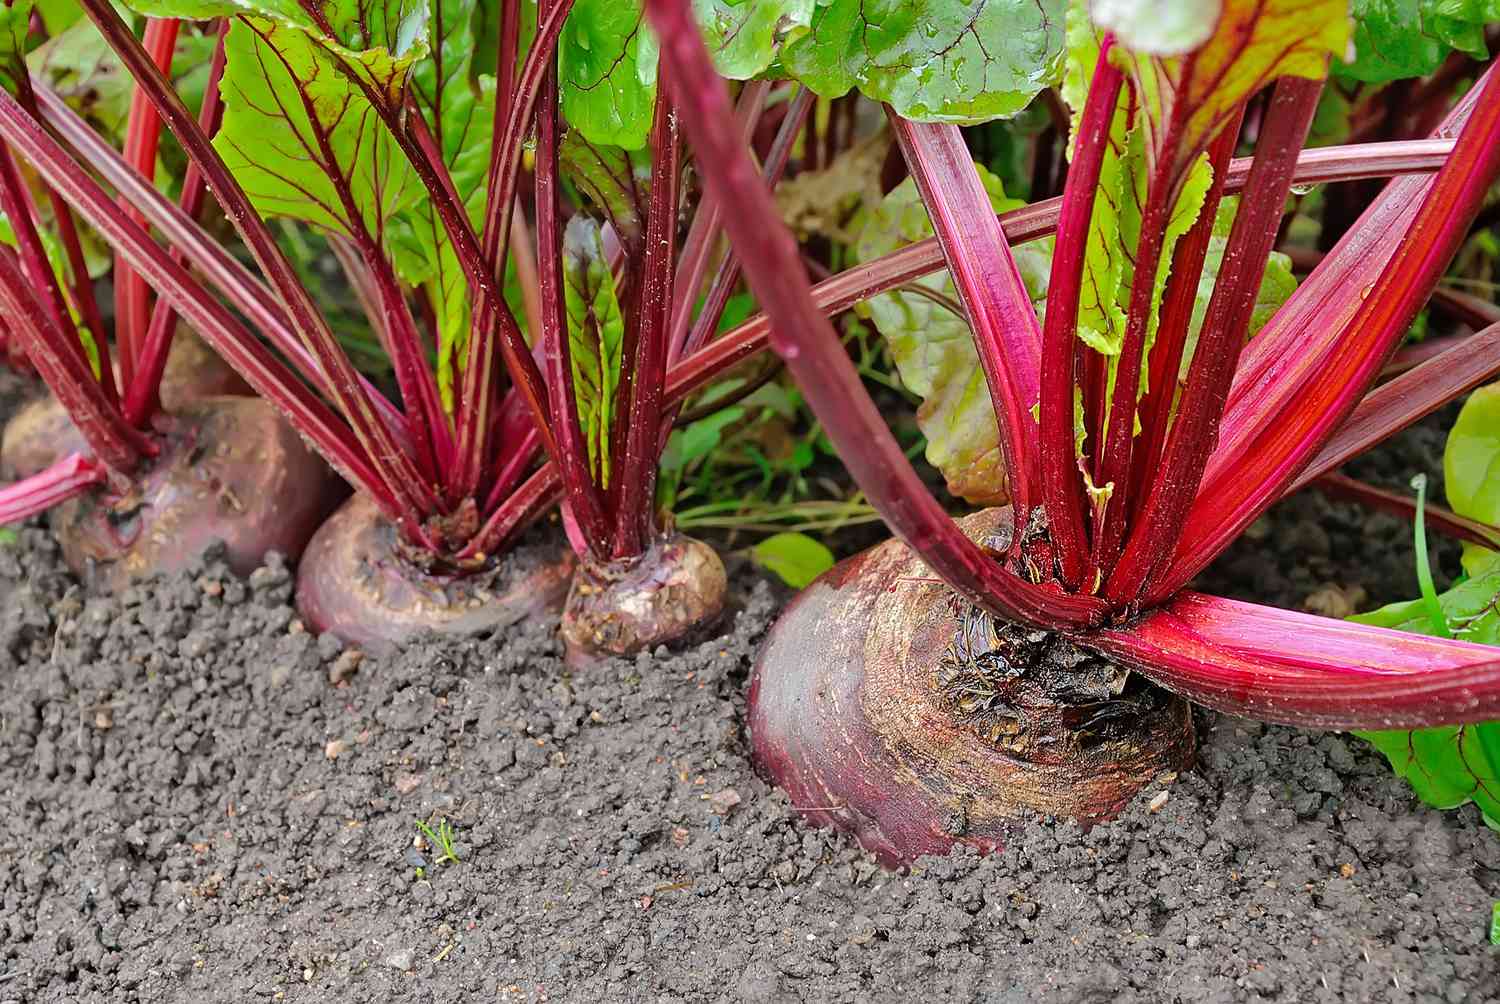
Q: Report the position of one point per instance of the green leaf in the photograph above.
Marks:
(1455, 764)
(1495, 923)
(933, 348)
(1394, 39)
(298, 132)
(607, 72)
(57, 259)
(795, 558)
(596, 334)
(933, 60)
(1471, 467)
(1448, 766)
(15, 26)
(616, 180)
(745, 36)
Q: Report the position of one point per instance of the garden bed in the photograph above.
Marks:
(193, 812)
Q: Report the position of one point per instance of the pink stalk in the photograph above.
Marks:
(117, 444)
(572, 455)
(65, 479)
(1061, 484)
(243, 290)
(1029, 223)
(1295, 340)
(1178, 301)
(211, 319)
(81, 288)
(1321, 400)
(635, 506)
(803, 337)
(707, 227)
(400, 478)
(142, 136)
(1402, 504)
(143, 396)
(478, 393)
(1118, 438)
(1299, 669)
(1227, 320)
(999, 309)
(1403, 400)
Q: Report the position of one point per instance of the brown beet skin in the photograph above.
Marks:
(847, 715)
(672, 591)
(231, 469)
(355, 582)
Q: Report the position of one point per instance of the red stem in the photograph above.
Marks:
(243, 290)
(1437, 517)
(1119, 437)
(803, 336)
(1405, 399)
(1176, 318)
(1061, 483)
(142, 137)
(707, 227)
(65, 479)
(1223, 336)
(398, 475)
(1382, 312)
(635, 511)
(117, 444)
(213, 321)
(143, 395)
(1006, 331)
(571, 452)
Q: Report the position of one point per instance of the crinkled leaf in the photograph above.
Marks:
(616, 180)
(1394, 39)
(596, 334)
(1164, 27)
(933, 60)
(933, 348)
(1471, 466)
(300, 136)
(795, 558)
(607, 72)
(744, 36)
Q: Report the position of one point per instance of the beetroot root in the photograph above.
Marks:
(885, 706)
(41, 432)
(230, 469)
(675, 588)
(356, 581)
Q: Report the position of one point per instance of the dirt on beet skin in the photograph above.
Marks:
(200, 802)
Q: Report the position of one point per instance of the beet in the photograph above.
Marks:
(886, 707)
(358, 581)
(40, 433)
(231, 469)
(673, 590)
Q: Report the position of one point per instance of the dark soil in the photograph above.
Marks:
(190, 811)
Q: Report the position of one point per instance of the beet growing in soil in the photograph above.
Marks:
(193, 813)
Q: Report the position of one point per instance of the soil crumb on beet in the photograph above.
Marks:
(194, 812)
